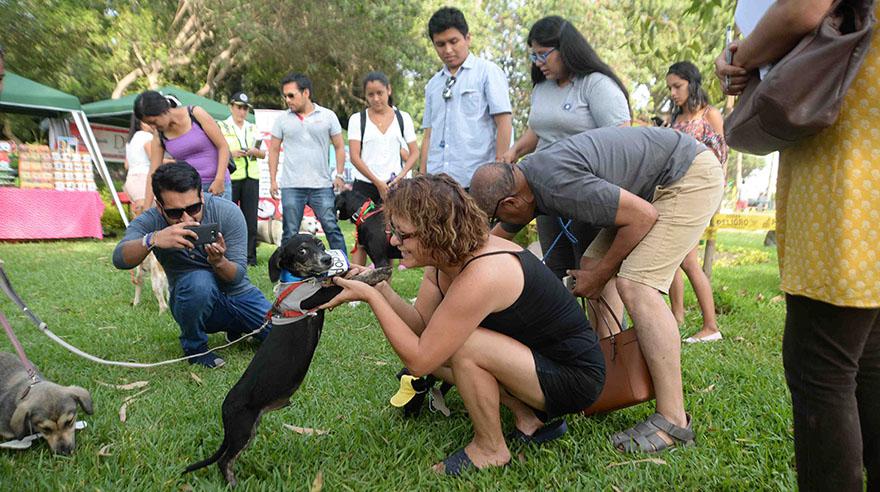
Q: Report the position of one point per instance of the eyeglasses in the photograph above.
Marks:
(494, 220)
(176, 213)
(290, 95)
(401, 236)
(541, 57)
(447, 90)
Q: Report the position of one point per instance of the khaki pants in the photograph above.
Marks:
(685, 208)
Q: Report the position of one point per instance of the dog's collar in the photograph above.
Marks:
(367, 210)
(34, 381)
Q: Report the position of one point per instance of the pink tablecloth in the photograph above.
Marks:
(49, 214)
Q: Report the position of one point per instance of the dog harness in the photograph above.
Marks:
(292, 291)
(367, 210)
(289, 296)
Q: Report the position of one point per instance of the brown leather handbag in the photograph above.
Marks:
(627, 380)
(803, 92)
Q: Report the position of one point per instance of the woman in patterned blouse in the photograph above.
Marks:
(695, 116)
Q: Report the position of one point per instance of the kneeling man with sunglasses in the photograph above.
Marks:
(210, 289)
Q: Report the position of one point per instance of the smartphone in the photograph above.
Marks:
(568, 281)
(658, 121)
(258, 144)
(207, 233)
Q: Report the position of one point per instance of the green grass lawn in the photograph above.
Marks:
(734, 389)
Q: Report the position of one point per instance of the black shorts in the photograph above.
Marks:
(367, 189)
(568, 389)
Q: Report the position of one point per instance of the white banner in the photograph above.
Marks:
(111, 140)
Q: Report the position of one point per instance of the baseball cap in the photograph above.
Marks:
(240, 98)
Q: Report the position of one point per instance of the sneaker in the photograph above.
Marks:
(209, 360)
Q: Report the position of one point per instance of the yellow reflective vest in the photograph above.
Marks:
(246, 167)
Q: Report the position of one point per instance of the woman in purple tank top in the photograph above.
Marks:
(187, 134)
(695, 116)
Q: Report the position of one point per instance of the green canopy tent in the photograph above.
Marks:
(24, 96)
(21, 95)
(117, 112)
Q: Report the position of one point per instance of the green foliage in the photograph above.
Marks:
(111, 221)
(91, 47)
(662, 32)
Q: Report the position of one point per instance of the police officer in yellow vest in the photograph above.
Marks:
(241, 136)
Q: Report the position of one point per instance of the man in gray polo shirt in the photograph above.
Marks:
(467, 118)
(653, 190)
(306, 131)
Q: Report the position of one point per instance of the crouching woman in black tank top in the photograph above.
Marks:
(489, 318)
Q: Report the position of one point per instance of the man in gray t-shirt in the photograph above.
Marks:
(653, 190)
(306, 131)
(210, 289)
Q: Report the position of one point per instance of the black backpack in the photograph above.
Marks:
(364, 127)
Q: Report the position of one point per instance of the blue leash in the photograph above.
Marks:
(565, 231)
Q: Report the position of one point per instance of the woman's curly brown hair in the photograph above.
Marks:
(445, 219)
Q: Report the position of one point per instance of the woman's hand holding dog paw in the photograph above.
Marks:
(356, 270)
(352, 290)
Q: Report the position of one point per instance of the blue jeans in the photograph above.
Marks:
(322, 201)
(200, 307)
(227, 190)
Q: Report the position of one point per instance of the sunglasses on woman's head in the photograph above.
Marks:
(541, 57)
(447, 91)
(176, 213)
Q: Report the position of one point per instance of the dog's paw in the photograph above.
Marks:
(374, 276)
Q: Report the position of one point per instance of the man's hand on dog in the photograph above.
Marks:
(216, 250)
(176, 236)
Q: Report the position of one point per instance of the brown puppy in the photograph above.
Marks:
(47, 408)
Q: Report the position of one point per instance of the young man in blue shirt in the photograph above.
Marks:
(467, 118)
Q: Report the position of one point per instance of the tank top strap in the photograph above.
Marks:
(491, 253)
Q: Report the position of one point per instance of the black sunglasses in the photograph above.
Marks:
(176, 213)
(494, 220)
(401, 236)
(447, 91)
(289, 95)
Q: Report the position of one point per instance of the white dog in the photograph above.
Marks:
(158, 281)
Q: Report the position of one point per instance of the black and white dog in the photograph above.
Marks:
(281, 363)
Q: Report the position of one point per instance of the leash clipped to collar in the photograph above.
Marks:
(31, 370)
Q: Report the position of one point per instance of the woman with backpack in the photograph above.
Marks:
(382, 144)
(186, 133)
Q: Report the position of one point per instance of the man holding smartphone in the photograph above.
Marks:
(210, 289)
(241, 135)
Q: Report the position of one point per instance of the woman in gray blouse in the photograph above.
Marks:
(574, 91)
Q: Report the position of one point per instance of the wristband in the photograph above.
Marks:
(148, 241)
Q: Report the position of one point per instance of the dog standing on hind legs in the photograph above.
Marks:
(280, 365)
(158, 282)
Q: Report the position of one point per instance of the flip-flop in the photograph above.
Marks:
(457, 463)
(549, 432)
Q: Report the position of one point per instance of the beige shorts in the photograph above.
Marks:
(685, 208)
(135, 187)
